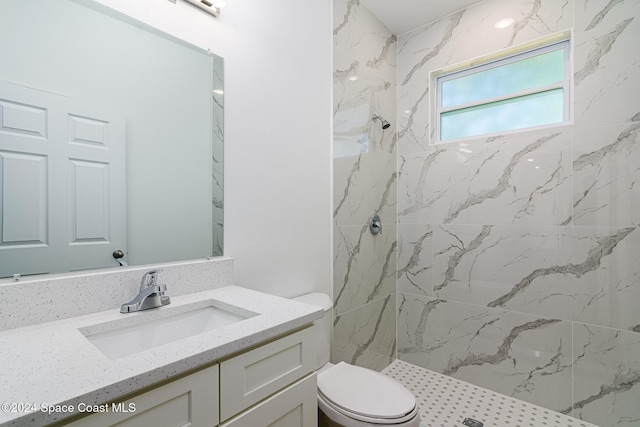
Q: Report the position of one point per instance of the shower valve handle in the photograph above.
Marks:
(375, 224)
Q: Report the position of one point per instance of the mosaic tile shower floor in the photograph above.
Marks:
(446, 402)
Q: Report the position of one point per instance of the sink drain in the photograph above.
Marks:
(470, 422)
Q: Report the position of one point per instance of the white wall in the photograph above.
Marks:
(277, 132)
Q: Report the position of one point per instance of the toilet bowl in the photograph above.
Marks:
(352, 396)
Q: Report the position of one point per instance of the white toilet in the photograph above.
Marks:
(351, 396)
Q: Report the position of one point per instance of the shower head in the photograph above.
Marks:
(385, 124)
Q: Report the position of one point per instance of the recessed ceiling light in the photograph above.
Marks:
(504, 23)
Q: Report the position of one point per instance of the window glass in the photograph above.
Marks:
(537, 71)
(526, 111)
(530, 89)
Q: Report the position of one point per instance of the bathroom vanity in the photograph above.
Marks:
(227, 356)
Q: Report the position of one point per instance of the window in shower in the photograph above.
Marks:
(529, 89)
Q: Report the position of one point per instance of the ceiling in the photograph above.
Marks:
(401, 16)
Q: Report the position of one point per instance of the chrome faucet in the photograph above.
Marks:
(151, 295)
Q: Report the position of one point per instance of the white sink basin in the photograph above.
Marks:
(129, 339)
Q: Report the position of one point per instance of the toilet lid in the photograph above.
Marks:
(365, 392)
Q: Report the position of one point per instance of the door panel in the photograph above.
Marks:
(23, 119)
(89, 202)
(24, 199)
(85, 130)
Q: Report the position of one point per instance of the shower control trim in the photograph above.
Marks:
(375, 224)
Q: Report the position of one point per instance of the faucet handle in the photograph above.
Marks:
(151, 294)
(149, 279)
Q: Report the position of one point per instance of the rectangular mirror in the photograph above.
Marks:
(111, 139)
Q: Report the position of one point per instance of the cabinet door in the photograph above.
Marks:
(189, 401)
(295, 406)
(251, 377)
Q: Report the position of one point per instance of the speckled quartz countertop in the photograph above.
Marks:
(53, 363)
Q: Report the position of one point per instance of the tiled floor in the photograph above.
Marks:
(446, 402)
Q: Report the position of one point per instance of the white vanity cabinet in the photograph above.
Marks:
(188, 401)
(269, 385)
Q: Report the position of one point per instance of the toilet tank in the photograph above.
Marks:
(323, 326)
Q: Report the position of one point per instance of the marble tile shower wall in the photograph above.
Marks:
(518, 255)
(365, 182)
(217, 197)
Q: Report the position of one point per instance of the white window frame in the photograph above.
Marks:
(441, 76)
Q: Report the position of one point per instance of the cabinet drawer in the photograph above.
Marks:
(294, 406)
(188, 401)
(252, 376)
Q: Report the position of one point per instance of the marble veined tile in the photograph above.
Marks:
(415, 259)
(606, 181)
(606, 62)
(583, 273)
(418, 54)
(522, 179)
(414, 127)
(359, 32)
(364, 185)
(606, 372)
(481, 264)
(520, 355)
(594, 14)
(366, 336)
(364, 265)
(217, 198)
(607, 281)
(358, 95)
